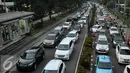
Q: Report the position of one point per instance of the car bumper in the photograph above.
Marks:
(49, 45)
(63, 58)
(25, 68)
(102, 51)
(124, 62)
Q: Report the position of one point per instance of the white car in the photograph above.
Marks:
(84, 19)
(113, 30)
(127, 69)
(67, 25)
(102, 45)
(81, 22)
(73, 35)
(123, 54)
(96, 28)
(64, 49)
(54, 66)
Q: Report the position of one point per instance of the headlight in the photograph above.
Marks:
(121, 59)
(52, 42)
(67, 55)
(107, 49)
(114, 42)
(56, 55)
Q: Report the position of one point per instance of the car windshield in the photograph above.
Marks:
(80, 22)
(104, 65)
(28, 55)
(63, 47)
(66, 24)
(83, 18)
(95, 26)
(118, 38)
(103, 42)
(56, 31)
(50, 37)
(77, 27)
(100, 21)
(50, 71)
(68, 20)
(71, 35)
(125, 52)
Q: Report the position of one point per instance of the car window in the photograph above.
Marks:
(125, 52)
(97, 60)
(61, 67)
(118, 48)
(63, 47)
(50, 71)
(70, 44)
(104, 65)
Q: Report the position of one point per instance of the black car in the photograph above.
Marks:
(30, 58)
(52, 40)
(77, 28)
(117, 39)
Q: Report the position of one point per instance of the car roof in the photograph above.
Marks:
(102, 37)
(73, 31)
(58, 27)
(104, 58)
(114, 27)
(65, 41)
(53, 64)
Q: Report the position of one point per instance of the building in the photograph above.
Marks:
(14, 25)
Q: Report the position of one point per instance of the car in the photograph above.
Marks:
(81, 23)
(101, 21)
(30, 59)
(69, 20)
(101, 32)
(54, 66)
(103, 64)
(67, 25)
(102, 45)
(78, 14)
(117, 39)
(113, 30)
(127, 69)
(52, 40)
(96, 28)
(59, 29)
(73, 35)
(123, 54)
(84, 19)
(64, 49)
(77, 27)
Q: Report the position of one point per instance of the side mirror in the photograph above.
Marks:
(95, 42)
(108, 43)
(112, 66)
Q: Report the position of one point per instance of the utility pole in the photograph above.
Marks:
(124, 6)
(118, 4)
(4, 6)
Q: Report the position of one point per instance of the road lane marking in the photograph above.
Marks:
(80, 52)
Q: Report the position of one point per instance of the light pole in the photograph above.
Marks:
(124, 6)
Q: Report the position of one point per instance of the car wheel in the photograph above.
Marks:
(35, 66)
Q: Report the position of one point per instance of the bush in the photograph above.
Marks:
(81, 69)
(85, 58)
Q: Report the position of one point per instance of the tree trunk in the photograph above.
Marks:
(50, 14)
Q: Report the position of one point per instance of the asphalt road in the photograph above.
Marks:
(70, 65)
(118, 68)
(49, 53)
